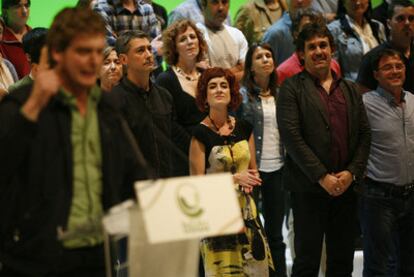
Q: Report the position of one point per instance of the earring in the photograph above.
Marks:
(206, 106)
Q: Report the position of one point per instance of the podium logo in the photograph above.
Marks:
(188, 199)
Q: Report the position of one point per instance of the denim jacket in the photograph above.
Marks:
(251, 111)
(349, 50)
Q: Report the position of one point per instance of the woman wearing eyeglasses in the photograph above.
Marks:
(220, 143)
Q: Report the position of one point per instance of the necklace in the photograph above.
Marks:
(188, 77)
(233, 168)
(217, 128)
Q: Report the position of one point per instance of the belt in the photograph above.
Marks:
(392, 189)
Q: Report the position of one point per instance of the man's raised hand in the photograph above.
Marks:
(45, 86)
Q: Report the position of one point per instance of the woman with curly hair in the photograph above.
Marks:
(184, 51)
(220, 143)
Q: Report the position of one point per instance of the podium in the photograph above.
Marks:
(133, 255)
(160, 236)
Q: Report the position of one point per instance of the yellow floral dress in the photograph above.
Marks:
(247, 253)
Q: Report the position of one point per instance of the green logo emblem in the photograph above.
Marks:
(188, 200)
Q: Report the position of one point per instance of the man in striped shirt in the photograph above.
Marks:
(124, 15)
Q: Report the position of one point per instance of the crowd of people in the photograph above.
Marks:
(308, 104)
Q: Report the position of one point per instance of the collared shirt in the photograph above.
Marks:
(86, 211)
(255, 17)
(119, 19)
(336, 108)
(391, 158)
(280, 38)
(12, 49)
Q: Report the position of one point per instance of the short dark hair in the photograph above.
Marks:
(248, 75)
(122, 43)
(70, 23)
(387, 52)
(169, 37)
(215, 72)
(396, 3)
(5, 4)
(314, 17)
(33, 41)
(310, 31)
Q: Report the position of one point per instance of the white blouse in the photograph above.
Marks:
(271, 158)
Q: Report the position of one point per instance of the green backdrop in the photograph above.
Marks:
(42, 11)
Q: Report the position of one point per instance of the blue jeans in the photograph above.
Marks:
(387, 223)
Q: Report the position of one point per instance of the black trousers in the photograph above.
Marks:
(316, 215)
(273, 212)
(80, 262)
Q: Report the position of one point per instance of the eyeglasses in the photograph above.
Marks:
(389, 67)
(402, 18)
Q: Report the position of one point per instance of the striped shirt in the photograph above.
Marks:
(119, 19)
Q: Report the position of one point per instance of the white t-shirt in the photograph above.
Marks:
(226, 47)
(271, 158)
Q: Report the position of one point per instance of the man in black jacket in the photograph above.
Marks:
(324, 128)
(63, 158)
(147, 107)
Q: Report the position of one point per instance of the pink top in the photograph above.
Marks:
(292, 66)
